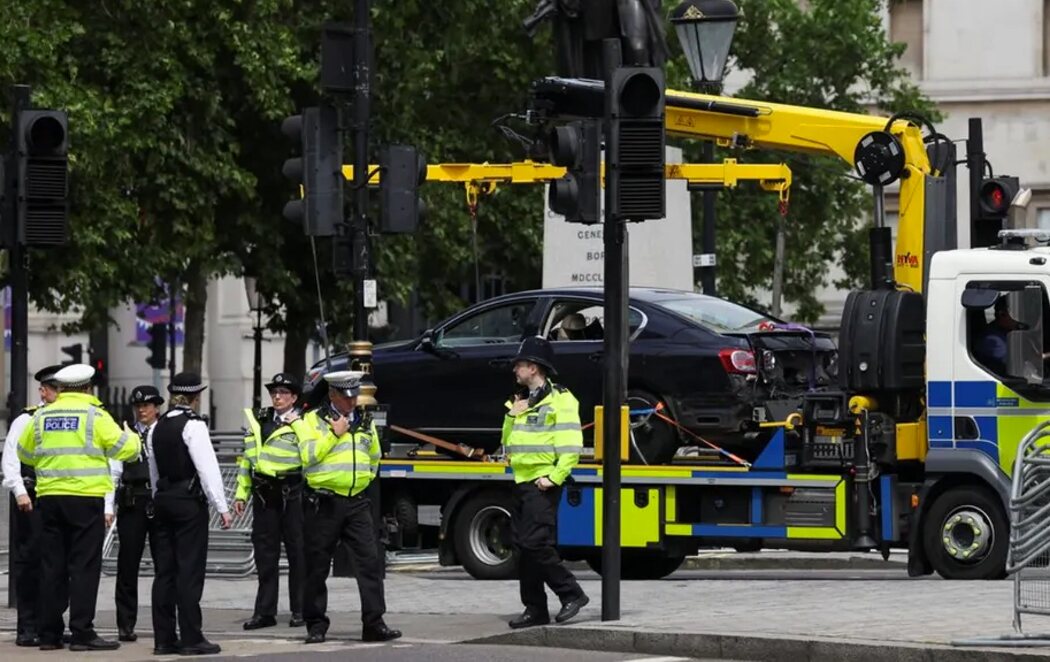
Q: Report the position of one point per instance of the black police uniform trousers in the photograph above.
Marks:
(329, 519)
(534, 524)
(73, 529)
(277, 517)
(179, 544)
(26, 567)
(134, 522)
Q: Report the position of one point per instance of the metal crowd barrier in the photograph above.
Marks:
(230, 552)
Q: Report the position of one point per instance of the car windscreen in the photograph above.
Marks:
(716, 314)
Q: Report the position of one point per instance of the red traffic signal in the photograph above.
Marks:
(995, 196)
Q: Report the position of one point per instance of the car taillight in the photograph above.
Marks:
(738, 361)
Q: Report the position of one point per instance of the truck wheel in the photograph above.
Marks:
(640, 563)
(482, 536)
(654, 439)
(965, 534)
(407, 517)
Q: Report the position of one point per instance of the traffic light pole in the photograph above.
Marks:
(19, 280)
(614, 238)
(975, 164)
(361, 258)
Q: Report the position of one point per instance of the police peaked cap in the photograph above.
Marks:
(188, 383)
(536, 349)
(145, 394)
(347, 381)
(285, 380)
(47, 375)
(77, 375)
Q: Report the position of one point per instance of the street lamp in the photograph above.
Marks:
(705, 31)
(255, 304)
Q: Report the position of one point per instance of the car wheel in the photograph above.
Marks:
(482, 536)
(406, 514)
(966, 534)
(652, 440)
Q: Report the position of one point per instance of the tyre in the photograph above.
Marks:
(482, 537)
(966, 534)
(653, 440)
(404, 511)
(640, 563)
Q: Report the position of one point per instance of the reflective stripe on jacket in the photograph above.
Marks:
(70, 443)
(344, 465)
(277, 454)
(545, 439)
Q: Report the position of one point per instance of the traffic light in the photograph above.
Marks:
(319, 171)
(41, 169)
(634, 161)
(158, 345)
(75, 352)
(577, 195)
(994, 198)
(403, 171)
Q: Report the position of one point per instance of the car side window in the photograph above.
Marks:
(582, 320)
(492, 326)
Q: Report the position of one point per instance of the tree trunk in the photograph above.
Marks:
(196, 302)
(296, 339)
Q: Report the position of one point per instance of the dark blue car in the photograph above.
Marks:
(718, 367)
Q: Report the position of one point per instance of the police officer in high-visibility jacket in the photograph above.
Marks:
(340, 459)
(542, 437)
(70, 443)
(20, 479)
(133, 509)
(271, 471)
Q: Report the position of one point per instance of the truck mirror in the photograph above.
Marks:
(1024, 349)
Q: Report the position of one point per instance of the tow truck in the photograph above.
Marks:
(912, 450)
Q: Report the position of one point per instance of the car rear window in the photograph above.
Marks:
(717, 314)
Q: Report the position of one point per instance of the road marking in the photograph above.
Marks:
(659, 659)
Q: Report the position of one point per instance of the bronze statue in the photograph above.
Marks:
(581, 25)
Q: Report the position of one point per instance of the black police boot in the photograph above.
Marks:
(127, 634)
(315, 637)
(257, 621)
(297, 621)
(379, 633)
(571, 608)
(529, 619)
(96, 644)
(202, 647)
(166, 649)
(27, 639)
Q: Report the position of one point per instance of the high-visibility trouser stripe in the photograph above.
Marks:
(543, 427)
(76, 450)
(557, 450)
(114, 450)
(71, 473)
(325, 468)
(280, 459)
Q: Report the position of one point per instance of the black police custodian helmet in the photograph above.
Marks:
(146, 394)
(285, 380)
(536, 349)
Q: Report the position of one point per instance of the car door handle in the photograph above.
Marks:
(596, 357)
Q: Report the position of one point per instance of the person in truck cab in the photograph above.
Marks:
(542, 438)
(991, 344)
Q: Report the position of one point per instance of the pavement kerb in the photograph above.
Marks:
(741, 647)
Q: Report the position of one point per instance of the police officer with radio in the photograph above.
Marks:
(68, 442)
(20, 479)
(543, 438)
(186, 477)
(134, 511)
(271, 470)
(340, 459)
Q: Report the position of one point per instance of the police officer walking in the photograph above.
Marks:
(271, 470)
(20, 479)
(542, 437)
(340, 459)
(134, 511)
(186, 476)
(68, 443)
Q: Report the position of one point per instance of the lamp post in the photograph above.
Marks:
(705, 31)
(255, 304)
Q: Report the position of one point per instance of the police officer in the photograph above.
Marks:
(270, 468)
(186, 476)
(20, 479)
(542, 437)
(340, 459)
(68, 443)
(134, 511)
